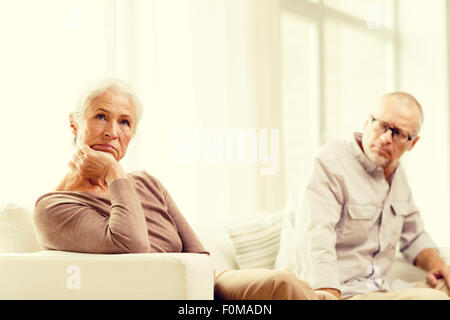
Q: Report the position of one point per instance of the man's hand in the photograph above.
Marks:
(438, 272)
(328, 294)
(430, 261)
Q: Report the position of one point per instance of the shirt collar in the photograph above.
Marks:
(371, 167)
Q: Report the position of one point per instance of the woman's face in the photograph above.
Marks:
(107, 124)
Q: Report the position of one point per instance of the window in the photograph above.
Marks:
(338, 57)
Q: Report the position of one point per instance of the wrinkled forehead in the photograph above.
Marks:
(113, 99)
(402, 113)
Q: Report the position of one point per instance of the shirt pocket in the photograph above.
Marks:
(399, 211)
(357, 222)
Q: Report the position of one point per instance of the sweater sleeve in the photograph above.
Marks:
(189, 239)
(69, 225)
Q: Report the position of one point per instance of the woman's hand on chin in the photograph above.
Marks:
(96, 165)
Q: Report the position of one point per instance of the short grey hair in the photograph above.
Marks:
(96, 89)
(408, 99)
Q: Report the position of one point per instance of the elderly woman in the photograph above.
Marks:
(98, 208)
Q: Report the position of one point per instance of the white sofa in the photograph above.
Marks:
(216, 237)
(26, 272)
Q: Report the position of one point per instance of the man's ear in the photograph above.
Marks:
(413, 143)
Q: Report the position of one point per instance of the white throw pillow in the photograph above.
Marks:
(256, 242)
(16, 229)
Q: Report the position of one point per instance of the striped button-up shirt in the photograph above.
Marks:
(347, 220)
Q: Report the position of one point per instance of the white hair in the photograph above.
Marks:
(97, 88)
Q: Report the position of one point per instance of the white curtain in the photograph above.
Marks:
(205, 70)
(50, 50)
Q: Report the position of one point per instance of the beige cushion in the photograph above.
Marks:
(256, 241)
(16, 229)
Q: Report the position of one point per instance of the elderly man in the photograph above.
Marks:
(356, 206)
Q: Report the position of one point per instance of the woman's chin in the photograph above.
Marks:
(105, 150)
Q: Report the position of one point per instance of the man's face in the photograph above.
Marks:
(107, 124)
(380, 147)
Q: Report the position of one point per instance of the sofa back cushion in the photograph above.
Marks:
(17, 232)
(256, 241)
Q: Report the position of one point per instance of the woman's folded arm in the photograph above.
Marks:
(63, 223)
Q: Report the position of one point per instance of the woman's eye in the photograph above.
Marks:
(125, 122)
(100, 116)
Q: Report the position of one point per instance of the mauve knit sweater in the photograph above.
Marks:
(138, 216)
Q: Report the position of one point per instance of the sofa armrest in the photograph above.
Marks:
(68, 275)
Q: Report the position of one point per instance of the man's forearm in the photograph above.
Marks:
(428, 258)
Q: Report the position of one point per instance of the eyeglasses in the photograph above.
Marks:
(398, 135)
